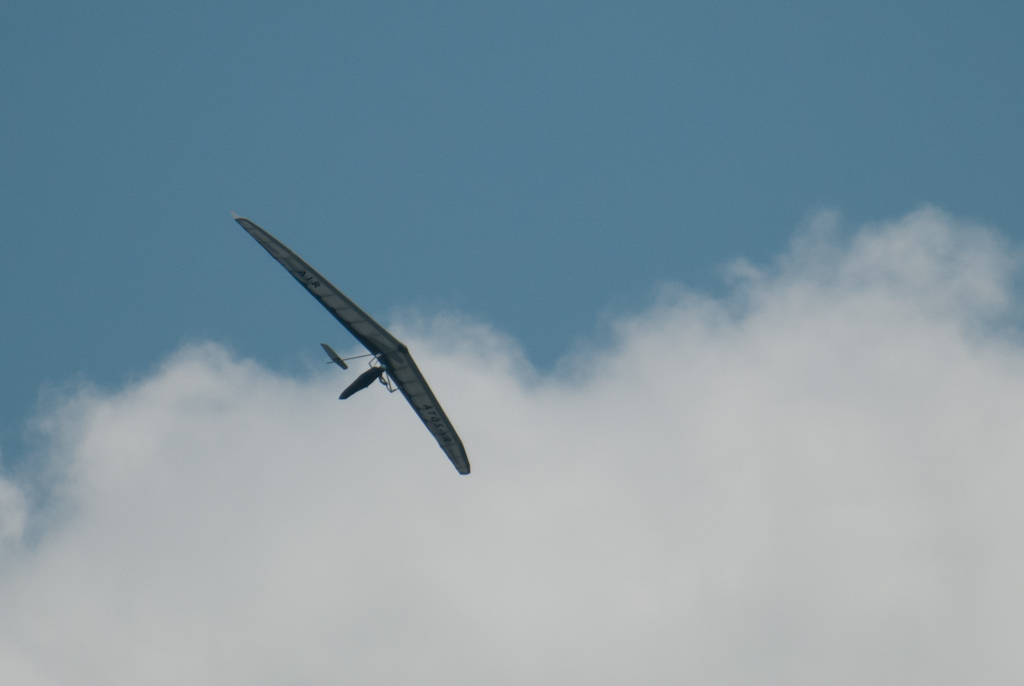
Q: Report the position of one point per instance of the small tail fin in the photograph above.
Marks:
(335, 358)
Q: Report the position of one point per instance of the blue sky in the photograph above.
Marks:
(535, 166)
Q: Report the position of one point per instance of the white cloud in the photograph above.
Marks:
(815, 481)
(13, 512)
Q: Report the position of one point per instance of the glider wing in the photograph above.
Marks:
(392, 352)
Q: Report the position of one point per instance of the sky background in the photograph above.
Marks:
(541, 167)
(724, 384)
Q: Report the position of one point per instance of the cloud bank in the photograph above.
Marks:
(817, 479)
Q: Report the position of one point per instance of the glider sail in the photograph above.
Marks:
(391, 352)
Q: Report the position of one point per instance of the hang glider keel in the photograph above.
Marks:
(394, 366)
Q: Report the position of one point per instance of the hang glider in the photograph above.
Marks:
(392, 361)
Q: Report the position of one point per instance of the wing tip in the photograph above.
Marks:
(242, 221)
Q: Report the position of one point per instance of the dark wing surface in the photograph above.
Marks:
(392, 352)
